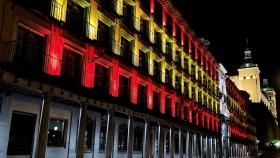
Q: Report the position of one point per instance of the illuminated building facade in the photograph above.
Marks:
(237, 104)
(248, 79)
(116, 78)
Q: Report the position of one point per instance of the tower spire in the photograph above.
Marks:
(248, 57)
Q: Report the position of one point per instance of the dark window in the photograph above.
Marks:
(169, 23)
(103, 33)
(29, 49)
(128, 14)
(158, 12)
(178, 58)
(184, 144)
(101, 78)
(193, 50)
(125, 49)
(186, 44)
(122, 137)
(142, 95)
(186, 92)
(168, 105)
(74, 17)
(200, 97)
(57, 133)
(143, 60)
(194, 71)
(178, 34)
(103, 129)
(176, 144)
(178, 109)
(157, 70)
(138, 139)
(71, 66)
(156, 104)
(193, 93)
(186, 65)
(168, 76)
(89, 134)
(123, 87)
(169, 50)
(144, 29)
(21, 134)
(157, 40)
(145, 5)
(167, 144)
(177, 83)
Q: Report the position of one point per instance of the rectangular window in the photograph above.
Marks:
(156, 103)
(176, 144)
(187, 91)
(143, 60)
(71, 66)
(128, 14)
(168, 76)
(103, 34)
(138, 139)
(178, 58)
(168, 105)
(125, 50)
(157, 71)
(169, 51)
(178, 109)
(144, 29)
(29, 49)
(89, 134)
(169, 24)
(124, 87)
(101, 78)
(177, 83)
(142, 95)
(75, 17)
(21, 135)
(122, 137)
(158, 12)
(103, 130)
(57, 133)
(157, 40)
(145, 5)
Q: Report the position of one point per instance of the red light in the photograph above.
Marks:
(134, 88)
(152, 4)
(115, 79)
(89, 66)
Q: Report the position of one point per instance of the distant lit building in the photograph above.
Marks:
(238, 124)
(248, 79)
(223, 110)
(115, 78)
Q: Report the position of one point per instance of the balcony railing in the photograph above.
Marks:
(22, 58)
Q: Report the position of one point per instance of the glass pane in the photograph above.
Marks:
(56, 133)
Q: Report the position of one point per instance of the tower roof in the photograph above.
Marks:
(247, 59)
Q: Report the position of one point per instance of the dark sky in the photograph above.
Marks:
(226, 24)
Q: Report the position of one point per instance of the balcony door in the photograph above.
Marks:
(27, 50)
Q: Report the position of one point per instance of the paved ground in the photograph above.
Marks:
(269, 154)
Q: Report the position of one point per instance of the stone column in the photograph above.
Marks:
(109, 136)
(187, 144)
(201, 145)
(171, 143)
(147, 148)
(43, 125)
(130, 137)
(194, 146)
(81, 130)
(160, 141)
(181, 143)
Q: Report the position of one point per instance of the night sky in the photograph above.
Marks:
(227, 24)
